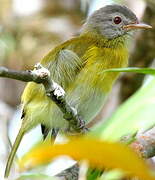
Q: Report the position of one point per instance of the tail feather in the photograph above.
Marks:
(45, 130)
(13, 152)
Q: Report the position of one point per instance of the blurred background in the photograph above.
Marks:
(29, 29)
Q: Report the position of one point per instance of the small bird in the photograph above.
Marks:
(77, 66)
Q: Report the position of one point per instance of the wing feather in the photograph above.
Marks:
(65, 67)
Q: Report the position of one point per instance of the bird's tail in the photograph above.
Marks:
(13, 152)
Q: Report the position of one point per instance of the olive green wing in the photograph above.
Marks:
(65, 67)
(65, 61)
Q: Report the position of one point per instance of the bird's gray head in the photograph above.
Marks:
(113, 21)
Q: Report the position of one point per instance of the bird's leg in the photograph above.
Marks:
(44, 131)
(54, 133)
(79, 125)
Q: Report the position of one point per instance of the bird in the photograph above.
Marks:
(77, 66)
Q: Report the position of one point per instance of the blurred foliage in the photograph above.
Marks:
(102, 155)
(25, 39)
(7, 46)
(31, 37)
(36, 177)
(136, 114)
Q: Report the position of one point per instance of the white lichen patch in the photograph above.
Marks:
(58, 90)
(40, 71)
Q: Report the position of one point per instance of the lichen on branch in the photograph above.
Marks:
(53, 91)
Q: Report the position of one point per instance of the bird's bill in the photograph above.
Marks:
(137, 26)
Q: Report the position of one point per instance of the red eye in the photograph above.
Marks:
(117, 20)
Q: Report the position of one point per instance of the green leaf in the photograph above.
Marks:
(36, 177)
(149, 71)
(112, 175)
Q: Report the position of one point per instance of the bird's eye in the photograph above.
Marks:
(117, 20)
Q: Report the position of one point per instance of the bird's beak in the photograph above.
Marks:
(134, 26)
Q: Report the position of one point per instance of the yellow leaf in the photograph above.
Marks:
(99, 154)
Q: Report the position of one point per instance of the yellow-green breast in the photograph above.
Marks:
(88, 87)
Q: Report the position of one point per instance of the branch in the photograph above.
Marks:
(25, 76)
(144, 144)
(71, 173)
(53, 91)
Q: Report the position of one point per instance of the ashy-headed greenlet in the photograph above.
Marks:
(76, 65)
